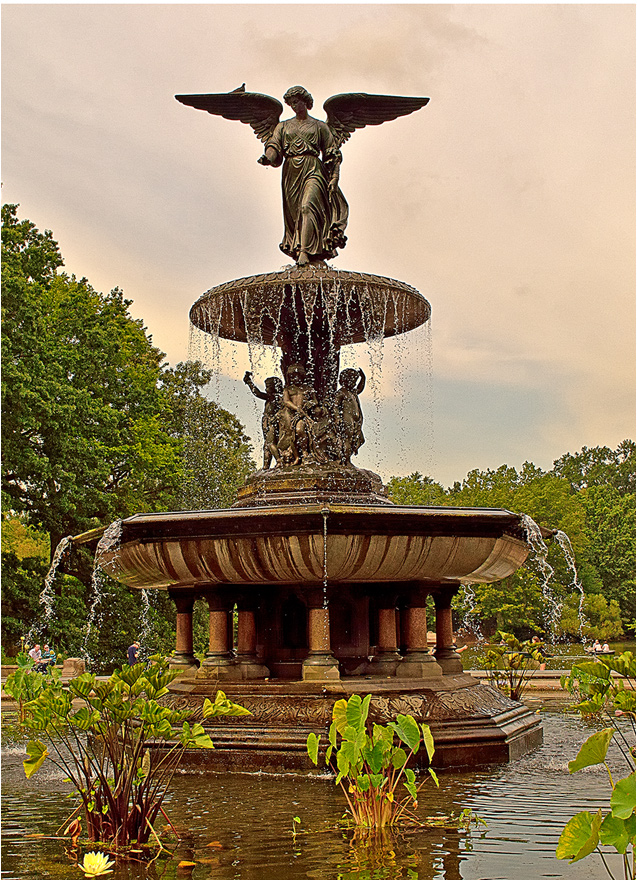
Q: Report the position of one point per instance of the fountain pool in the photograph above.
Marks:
(240, 825)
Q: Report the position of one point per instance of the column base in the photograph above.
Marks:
(384, 664)
(449, 661)
(221, 666)
(249, 668)
(419, 665)
(320, 667)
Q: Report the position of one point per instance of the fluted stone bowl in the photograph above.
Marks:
(297, 544)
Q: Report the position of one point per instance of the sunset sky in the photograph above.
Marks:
(509, 201)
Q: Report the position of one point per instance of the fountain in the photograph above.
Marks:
(316, 583)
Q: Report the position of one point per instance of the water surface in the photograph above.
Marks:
(240, 825)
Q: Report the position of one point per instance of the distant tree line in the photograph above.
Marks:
(96, 427)
(590, 496)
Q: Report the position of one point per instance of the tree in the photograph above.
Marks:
(600, 466)
(217, 452)
(416, 490)
(82, 434)
(95, 428)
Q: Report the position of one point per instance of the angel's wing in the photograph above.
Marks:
(346, 113)
(259, 111)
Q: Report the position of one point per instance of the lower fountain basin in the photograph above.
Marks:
(307, 544)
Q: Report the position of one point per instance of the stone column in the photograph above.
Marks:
(320, 662)
(446, 654)
(183, 656)
(417, 662)
(219, 662)
(387, 657)
(246, 654)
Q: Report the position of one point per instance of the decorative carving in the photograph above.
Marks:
(314, 209)
(436, 706)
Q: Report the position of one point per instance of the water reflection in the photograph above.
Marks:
(240, 825)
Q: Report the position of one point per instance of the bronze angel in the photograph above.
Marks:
(314, 209)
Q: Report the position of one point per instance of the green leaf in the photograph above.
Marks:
(222, 706)
(622, 801)
(593, 751)
(428, 740)
(433, 776)
(407, 730)
(617, 832)
(37, 753)
(594, 668)
(339, 716)
(83, 684)
(399, 757)
(579, 837)
(362, 782)
(313, 747)
(84, 719)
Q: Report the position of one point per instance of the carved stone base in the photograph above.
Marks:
(312, 484)
(227, 672)
(472, 724)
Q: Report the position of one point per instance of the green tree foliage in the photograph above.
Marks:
(217, 452)
(590, 497)
(82, 435)
(95, 428)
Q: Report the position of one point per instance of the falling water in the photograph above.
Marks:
(325, 512)
(567, 549)
(47, 597)
(471, 620)
(144, 622)
(540, 550)
(109, 542)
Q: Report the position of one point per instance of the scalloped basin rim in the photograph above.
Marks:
(284, 545)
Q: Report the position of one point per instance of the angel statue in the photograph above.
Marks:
(314, 209)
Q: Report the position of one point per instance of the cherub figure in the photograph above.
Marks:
(294, 416)
(348, 412)
(269, 422)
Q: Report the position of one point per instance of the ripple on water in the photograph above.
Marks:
(525, 804)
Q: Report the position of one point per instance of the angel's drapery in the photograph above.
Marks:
(314, 218)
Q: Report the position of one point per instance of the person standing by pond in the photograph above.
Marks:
(133, 654)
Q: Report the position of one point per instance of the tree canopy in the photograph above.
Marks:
(95, 426)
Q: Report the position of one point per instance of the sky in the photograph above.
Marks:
(508, 201)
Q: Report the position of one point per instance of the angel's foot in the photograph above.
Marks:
(303, 258)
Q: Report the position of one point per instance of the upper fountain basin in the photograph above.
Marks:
(358, 307)
(285, 545)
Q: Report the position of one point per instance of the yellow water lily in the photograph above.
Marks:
(95, 864)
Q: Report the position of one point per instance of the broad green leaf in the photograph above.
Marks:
(399, 757)
(83, 684)
(579, 837)
(407, 729)
(594, 668)
(313, 747)
(377, 780)
(362, 782)
(328, 754)
(617, 832)
(624, 700)
(355, 713)
(373, 755)
(622, 801)
(624, 664)
(84, 719)
(222, 706)
(37, 753)
(428, 740)
(339, 715)
(593, 751)
(433, 776)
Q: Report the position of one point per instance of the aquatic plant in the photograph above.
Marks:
(121, 748)
(511, 664)
(95, 864)
(25, 684)
(601, 695)
(369, 765)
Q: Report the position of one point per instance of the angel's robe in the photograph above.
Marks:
(314, 218)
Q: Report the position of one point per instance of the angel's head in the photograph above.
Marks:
(299, 92)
